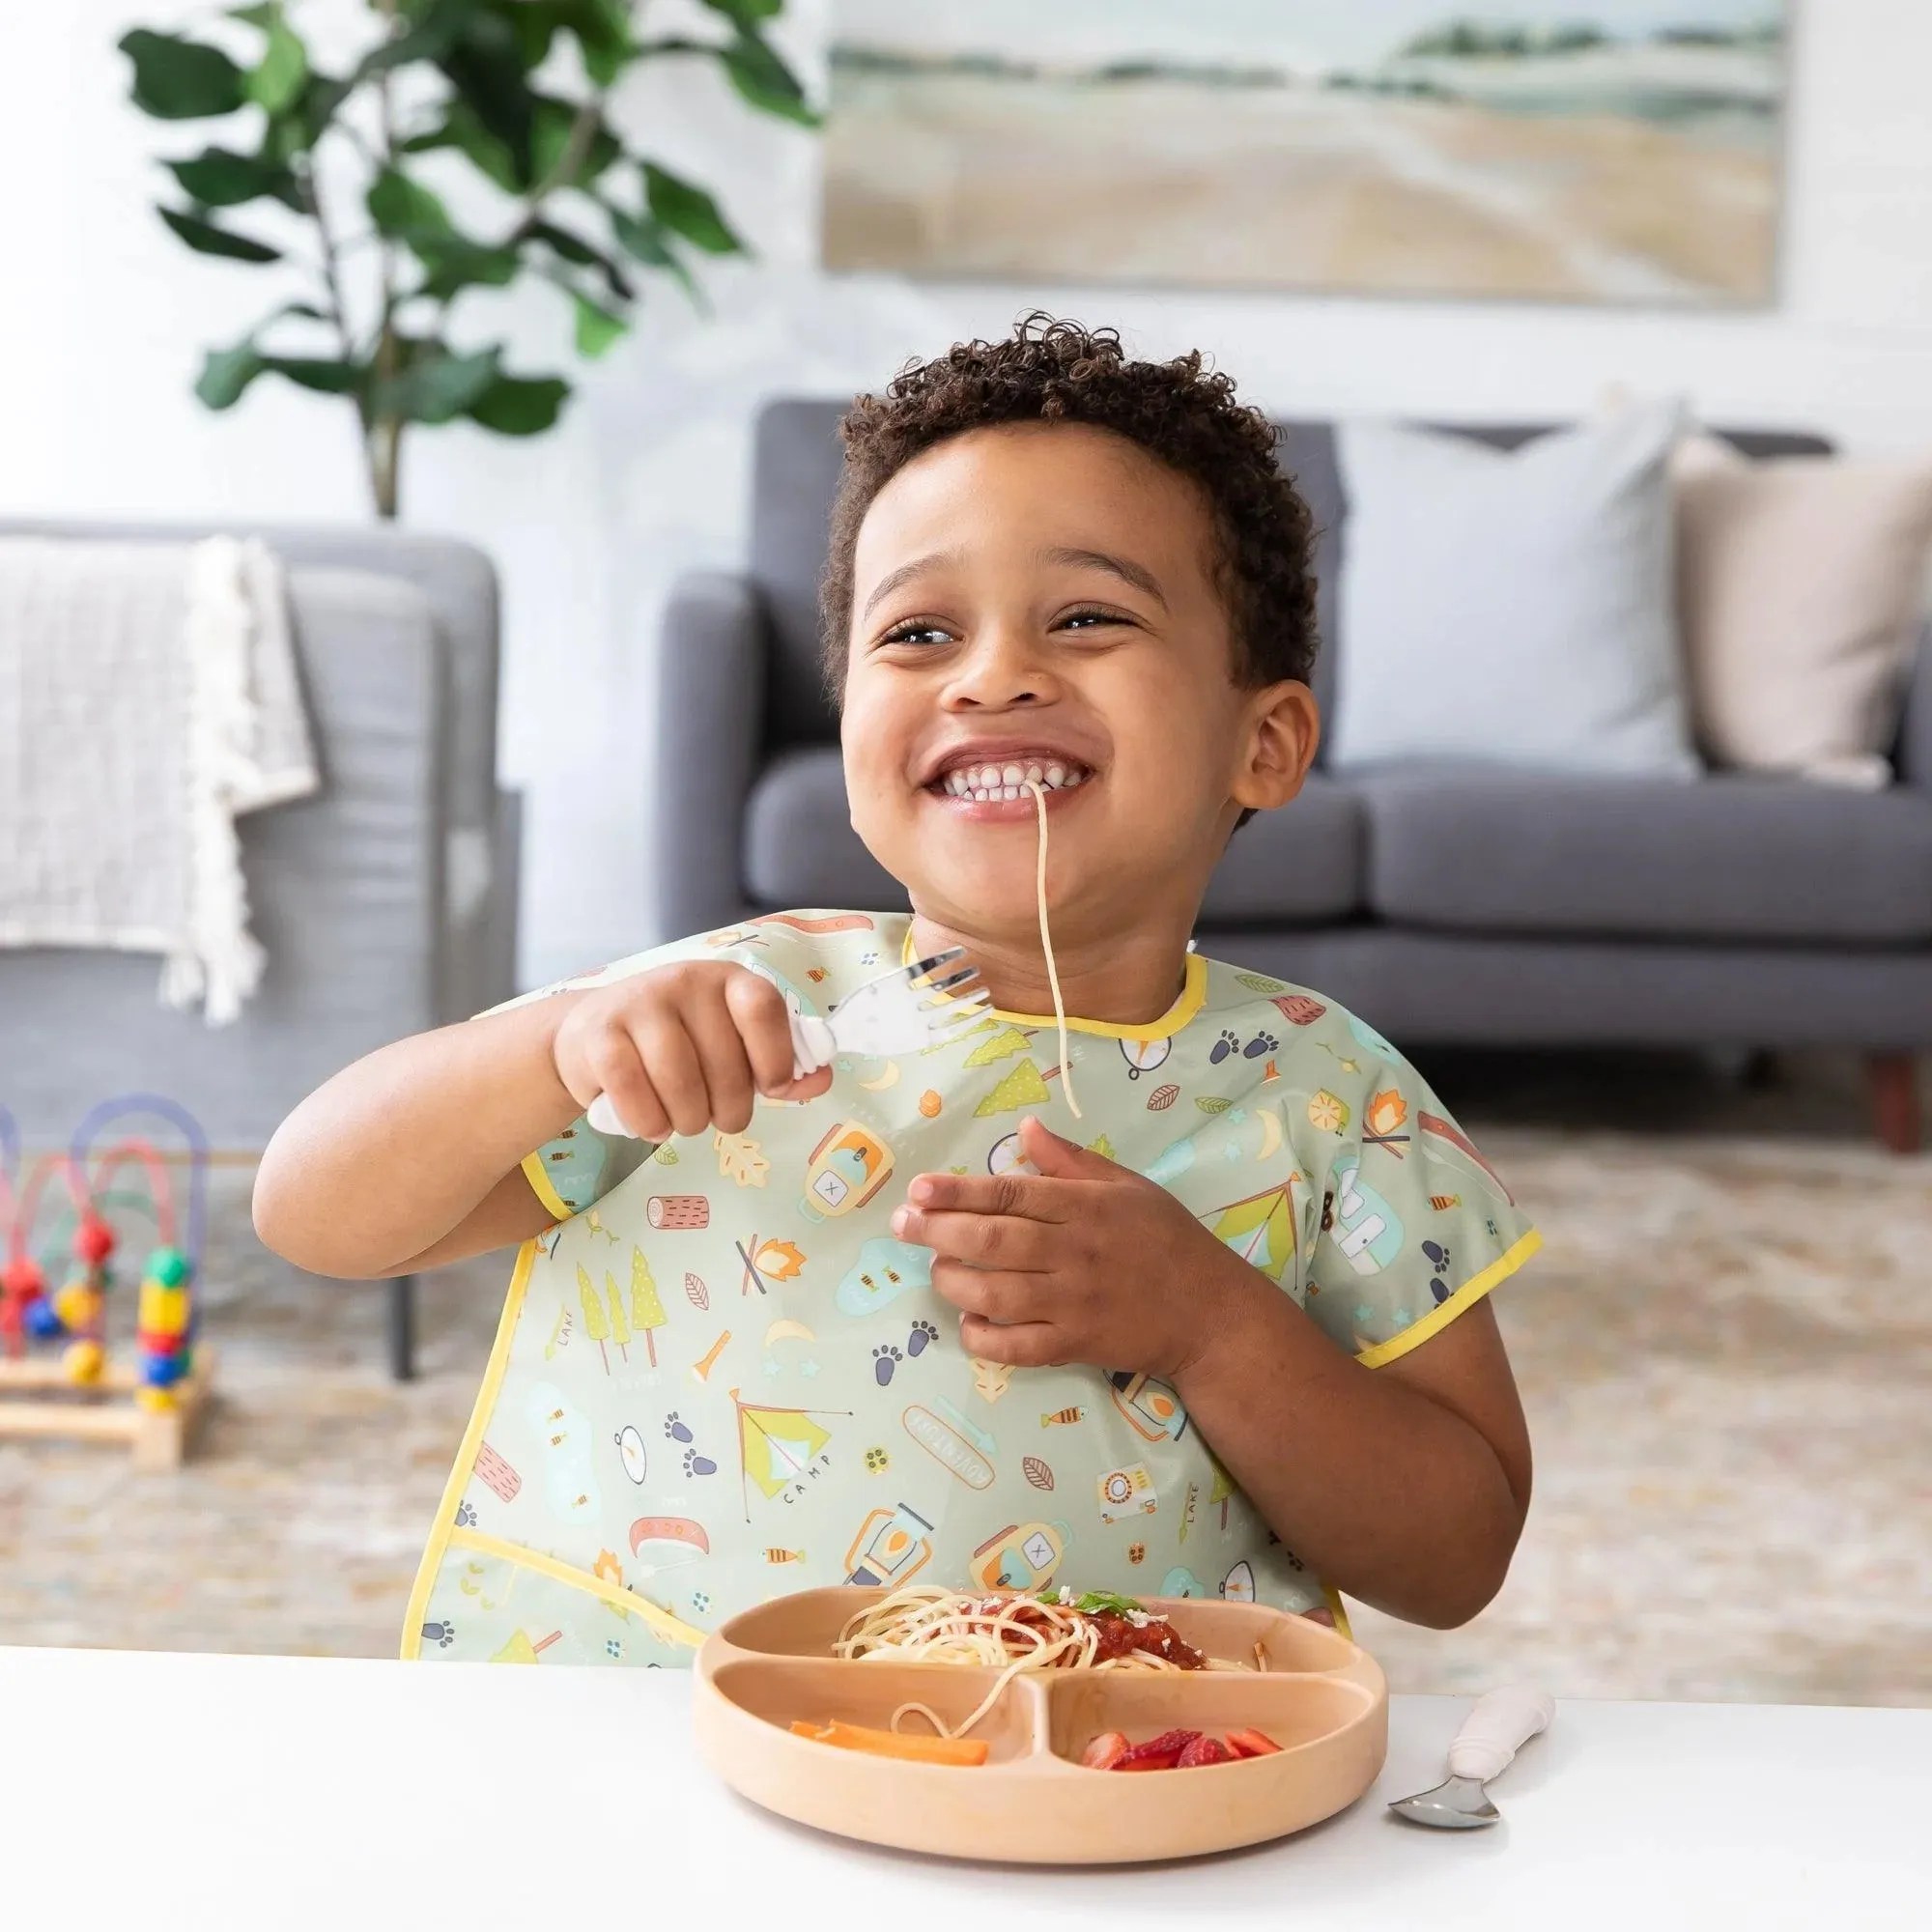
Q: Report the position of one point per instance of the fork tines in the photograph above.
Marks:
(963, 999)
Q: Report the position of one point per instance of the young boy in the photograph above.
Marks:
(897, 1319)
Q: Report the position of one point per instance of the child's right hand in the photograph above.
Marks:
(682, 1048)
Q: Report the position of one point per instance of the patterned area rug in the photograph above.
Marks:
(1724, 1350)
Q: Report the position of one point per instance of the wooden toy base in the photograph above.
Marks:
(36, 1399)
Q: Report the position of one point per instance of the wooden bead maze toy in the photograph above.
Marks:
(58, 1375)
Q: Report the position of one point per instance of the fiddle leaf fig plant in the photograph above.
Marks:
(516, 93)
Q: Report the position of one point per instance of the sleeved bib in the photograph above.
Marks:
(719, 1378)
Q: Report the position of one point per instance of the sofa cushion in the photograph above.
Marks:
(1732, 855)
(1294, 866)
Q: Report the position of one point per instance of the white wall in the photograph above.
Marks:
(103, 315)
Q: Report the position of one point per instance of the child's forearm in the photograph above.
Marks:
(382, 1166)
(1385, 1493)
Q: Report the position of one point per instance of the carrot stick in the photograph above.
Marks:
(892, 1743)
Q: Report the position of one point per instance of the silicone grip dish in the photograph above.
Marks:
(1323, 1700)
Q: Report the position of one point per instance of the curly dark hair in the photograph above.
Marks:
(1180, 412)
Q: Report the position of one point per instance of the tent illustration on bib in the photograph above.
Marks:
(777, 1446)
(1260, 1229)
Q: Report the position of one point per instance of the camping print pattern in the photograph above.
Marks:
(727, 1379)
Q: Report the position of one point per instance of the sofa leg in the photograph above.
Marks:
(1894, 1093)
(403, 1327)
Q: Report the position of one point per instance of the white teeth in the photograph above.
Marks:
(1034, 775)
(1055, 775)
(1010, 776)
(1073, 779)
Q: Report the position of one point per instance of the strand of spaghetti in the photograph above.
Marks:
(1047, 946)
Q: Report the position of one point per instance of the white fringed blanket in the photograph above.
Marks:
(148, 698)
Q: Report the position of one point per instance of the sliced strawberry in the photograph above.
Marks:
(1252, 1744)
(1157, 1753)
(1105, 1751)
(1204, 1751)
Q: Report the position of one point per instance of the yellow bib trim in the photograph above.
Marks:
(1193, 996)
(1439, 1316)
(466, 1456)
(671, 1628)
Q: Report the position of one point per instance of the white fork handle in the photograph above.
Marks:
(811, 1048)
(1496, 1729)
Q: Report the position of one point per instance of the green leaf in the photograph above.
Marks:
(487, 72)
(282, 72)
(604, 36)
(686, 210)
(205, 238)
(428, 39)
(597, 329)
(466, 135)
(521, 405)
(747, 13)
(326, 376)
(226, 373)
(401, 209)
(577, 251)
(644, 239)
(219, 178)
(436, 386)
(764, 80)
(177, 79)
(304, 122)
(551, 133)
(450, 266)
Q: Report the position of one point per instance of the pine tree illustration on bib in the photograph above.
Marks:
(642, 1465)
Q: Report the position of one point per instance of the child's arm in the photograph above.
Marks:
(412, 1156)
(1405, 1486)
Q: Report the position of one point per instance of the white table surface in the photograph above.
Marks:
(157, 1792)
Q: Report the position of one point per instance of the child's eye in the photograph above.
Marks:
(1092, 620)
(918, 631)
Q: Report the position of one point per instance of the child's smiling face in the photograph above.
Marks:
(1041, 599)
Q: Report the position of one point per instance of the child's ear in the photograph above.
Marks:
(1284, 727)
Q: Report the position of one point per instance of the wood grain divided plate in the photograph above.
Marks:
(1323, 1700)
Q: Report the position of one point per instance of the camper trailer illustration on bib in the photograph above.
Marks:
(1367, 1230)
(1022, 1556)
(847, 1168)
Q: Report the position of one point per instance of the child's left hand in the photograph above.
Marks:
(1085, 1262)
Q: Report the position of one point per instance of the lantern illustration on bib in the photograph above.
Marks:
(892, 1546)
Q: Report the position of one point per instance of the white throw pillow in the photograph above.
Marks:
(1800, 581)
(1512, 606)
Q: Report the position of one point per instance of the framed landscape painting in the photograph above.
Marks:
(1627, 151)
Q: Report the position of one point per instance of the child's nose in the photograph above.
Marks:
(1005, 668)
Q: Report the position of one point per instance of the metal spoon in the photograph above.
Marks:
(1484, 1748)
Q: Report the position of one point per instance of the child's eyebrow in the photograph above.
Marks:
(1125, 568)
(906, 573)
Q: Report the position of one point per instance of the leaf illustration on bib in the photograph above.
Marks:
(1260, 982)
(740, 1159)
(1023, 1086)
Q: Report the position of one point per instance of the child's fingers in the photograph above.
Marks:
(1025, 1345)
(619, 1072)
(818, 1081)
(758, 1010)
(1027, 1197)
(991, 1240)
(996, 1294)
(672, 1061)
(722, 1061)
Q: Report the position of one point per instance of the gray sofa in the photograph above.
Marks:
(1449, 906)
(386, 903)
